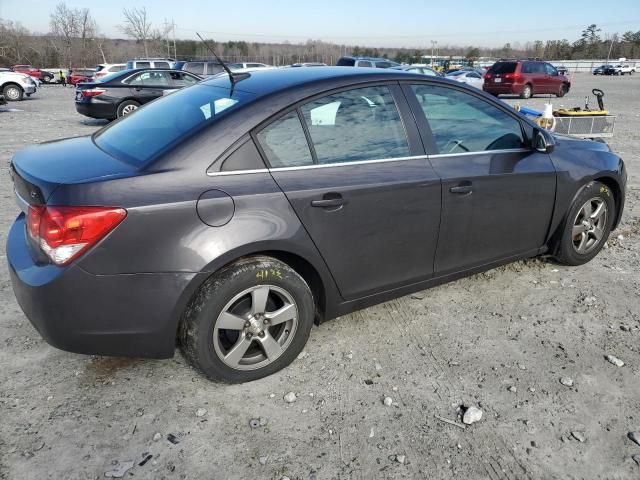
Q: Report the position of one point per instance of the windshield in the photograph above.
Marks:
(164, 123)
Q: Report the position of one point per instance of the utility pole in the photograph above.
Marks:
(166, 33)
(610, 48)
(173, 26)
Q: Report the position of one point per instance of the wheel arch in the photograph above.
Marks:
(615, 187)
(322, 288)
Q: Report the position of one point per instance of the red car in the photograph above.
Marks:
(80, 75)
(33, 72)
(525, 78)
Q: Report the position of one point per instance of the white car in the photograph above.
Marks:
(470, 77)
(105, 69)
(624, 68)
(15, 85)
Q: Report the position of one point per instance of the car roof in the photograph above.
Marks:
(264, 82)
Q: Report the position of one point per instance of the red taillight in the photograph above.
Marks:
(512, 76)
(93, 92)
(64, 233)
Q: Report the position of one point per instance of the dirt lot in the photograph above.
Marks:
(525, 326)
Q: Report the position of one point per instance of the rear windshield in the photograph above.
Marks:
(346, 62)
(164, 123)
(503, 67)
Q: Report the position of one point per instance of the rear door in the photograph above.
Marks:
(497, 193)
(354, 170)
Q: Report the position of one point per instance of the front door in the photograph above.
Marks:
(497, 193)
(366, 195)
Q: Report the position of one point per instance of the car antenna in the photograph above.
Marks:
(232, 76)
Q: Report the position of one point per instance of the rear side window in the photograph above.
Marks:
(160, 65)
(150, 79)
(462, 123)
(195, 67)
(346, 62)
(284, 143)
(550, 70)
(181, 79)
(116, 68)
(364, 63)
(359, 124)
(143, 64)
(503, 67)
(383, 64)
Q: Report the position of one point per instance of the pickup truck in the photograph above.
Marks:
(624, 68)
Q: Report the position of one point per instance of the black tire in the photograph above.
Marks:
(13, 92)
(563, 91)
(567, 252)
(47, 78)
(527, 91)
(127, 107)
(204, 346)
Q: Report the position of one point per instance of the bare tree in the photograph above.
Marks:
(64, 23)
(137, 25)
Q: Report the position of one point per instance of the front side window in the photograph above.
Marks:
(284, 143)
(359, 124)
(364, 63)
(461, 122)
(143, 65)
(551, 70)
(161, 65)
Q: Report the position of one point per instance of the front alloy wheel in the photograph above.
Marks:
(589, 225)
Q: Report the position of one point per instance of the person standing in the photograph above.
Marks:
(63, 79)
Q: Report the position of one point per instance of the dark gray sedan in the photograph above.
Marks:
(227, 217)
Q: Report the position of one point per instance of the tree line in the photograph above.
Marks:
(74, 39)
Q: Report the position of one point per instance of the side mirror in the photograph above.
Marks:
(543, 141)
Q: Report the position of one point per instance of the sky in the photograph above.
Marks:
(381, 23)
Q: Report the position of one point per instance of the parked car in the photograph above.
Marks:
(166, 63)
(104, 69)
(470, 77)
(80, 75)
(623, 69)
(418, 69)
(123, 92)
(226, 218)
(33, 72)
(366, 62)
(525, 78)
(14, 86)
(202, 68)
(245, 65)
(601, 69)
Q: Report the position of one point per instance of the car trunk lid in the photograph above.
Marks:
(39, 169)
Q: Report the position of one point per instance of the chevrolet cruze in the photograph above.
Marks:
(229, 216)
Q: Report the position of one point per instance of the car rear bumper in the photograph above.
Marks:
(497, 88)
(96, 110)
(124, 315)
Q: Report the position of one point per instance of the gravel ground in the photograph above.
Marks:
(501, 340)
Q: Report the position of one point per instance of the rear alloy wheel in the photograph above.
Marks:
(13, 93)
(588, 224)
(527, 91)
(248, 321)
(127, 107)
